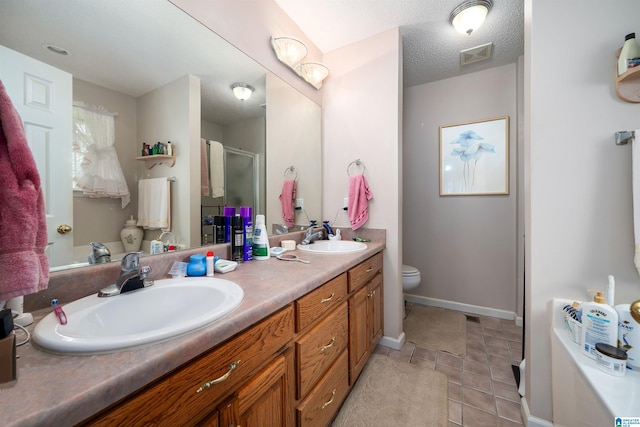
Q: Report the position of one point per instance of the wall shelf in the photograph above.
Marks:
(158, 159)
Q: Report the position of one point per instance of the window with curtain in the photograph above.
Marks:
(96, 168)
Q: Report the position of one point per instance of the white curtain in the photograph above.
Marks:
(99, 173)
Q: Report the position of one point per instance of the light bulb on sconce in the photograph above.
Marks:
(291, 52)
(468, 16)
(242, 91)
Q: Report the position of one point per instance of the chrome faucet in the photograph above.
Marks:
(310, 236)
(132, 276)
(99, 253)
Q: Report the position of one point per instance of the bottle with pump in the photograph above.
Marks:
(260, 240)
(599, 324)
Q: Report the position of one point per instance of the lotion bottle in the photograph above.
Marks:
(599, 324)
(261, 240)
(630, 50)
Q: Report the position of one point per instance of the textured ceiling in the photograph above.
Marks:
(431, 46)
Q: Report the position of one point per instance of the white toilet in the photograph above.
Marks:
(410, 277)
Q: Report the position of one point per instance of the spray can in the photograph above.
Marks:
(246, 212)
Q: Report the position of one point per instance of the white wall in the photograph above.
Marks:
(464, 246)
(578, 182)
(362, 119)
(172, 113)
(293, 139)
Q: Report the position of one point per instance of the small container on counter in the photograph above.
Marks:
(611, 359)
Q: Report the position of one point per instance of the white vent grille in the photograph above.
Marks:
(475, 54)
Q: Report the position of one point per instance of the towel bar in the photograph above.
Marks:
(623, 137)
(292, 170)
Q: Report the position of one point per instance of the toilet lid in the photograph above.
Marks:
(408, 270)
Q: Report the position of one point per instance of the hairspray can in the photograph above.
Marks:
(246, 212)
(229, 212)
(237, 239)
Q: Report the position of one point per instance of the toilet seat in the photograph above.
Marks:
(409, 271)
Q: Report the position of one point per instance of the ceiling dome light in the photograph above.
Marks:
(242, 91)
(289, 50)
(467, 17)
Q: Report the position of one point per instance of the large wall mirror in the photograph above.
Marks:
(166, 77)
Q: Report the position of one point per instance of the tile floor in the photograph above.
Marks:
(482, 388)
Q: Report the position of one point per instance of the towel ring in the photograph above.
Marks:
(358, 164)
(291, 170)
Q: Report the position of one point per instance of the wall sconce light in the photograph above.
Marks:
(242, 91)
(467, 17)
(292, 52)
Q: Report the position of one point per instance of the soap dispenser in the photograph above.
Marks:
(599, 324)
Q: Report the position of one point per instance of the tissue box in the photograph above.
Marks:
(8, 369)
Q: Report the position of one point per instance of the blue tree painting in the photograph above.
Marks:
(474, 158)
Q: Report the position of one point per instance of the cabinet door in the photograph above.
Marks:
(358, 333)
(265, 400)
(375, 311)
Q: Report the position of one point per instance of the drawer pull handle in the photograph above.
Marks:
(323, 300)
(369, 270)
(333, 395)
(328, 346)
(208, 384)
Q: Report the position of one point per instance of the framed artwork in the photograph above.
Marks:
(474, 158)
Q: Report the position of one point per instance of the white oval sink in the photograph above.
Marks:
(333, 247)
(169, 308)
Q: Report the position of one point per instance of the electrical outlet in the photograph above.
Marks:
(300, 204)
(345, 203)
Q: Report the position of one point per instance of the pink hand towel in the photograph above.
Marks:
(24, 266)
(287, 199)
(359, 195)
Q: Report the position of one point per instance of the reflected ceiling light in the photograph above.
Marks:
(467, 17)
(292, 52)
(313, 72)
(289, 50)
(242, 91)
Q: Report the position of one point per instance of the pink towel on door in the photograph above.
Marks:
(287, 198)
(24, 266)
(359, 195)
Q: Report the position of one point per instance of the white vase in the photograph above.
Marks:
(131, 236)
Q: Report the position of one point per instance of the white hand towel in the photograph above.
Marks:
(216, 166)
(635, 173)
(204, 171)
(154, 203)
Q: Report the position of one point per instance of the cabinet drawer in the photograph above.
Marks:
(313, 305)
(363, 272)
(319, 408)
(186, 394)
(320, 347)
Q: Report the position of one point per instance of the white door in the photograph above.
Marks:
(43, 97)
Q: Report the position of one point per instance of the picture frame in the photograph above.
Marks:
(474, 158)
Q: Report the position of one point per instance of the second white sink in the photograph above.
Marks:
(169, 308)
(333, 247)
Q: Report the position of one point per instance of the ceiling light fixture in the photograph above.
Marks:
(467, 17)
(291, 52)
(242, 91)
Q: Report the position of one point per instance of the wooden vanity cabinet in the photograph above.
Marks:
(365, 313)
(294, 368)
(193, 392)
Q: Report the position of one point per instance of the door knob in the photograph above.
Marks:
(63, 229)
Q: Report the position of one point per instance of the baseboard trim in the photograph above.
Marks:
(394, 343)
(458, 306)
(530, 420)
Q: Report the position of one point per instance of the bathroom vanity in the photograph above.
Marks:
(288, 355)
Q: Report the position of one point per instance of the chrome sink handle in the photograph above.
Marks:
(130, 262)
